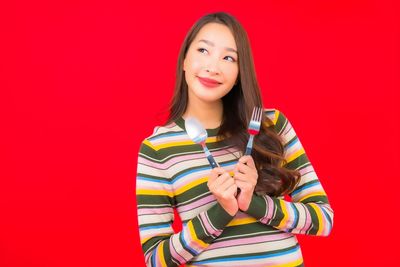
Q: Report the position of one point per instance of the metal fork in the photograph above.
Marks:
(254, 128)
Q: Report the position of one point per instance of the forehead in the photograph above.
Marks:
(216, 33)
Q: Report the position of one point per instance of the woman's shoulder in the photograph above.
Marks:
(164, 134)
(273, 114)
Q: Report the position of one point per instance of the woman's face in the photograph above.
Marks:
(211, 55)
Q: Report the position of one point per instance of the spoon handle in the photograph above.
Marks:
(212, 161)
(210, 158)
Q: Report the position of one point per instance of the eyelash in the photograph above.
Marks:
(201, 49)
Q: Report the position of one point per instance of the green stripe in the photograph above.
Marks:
(278, 214)
(314, 220)
(281, 122)
(154, 199)
(301, 160)
(247, 230)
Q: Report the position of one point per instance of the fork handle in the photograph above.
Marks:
(249, 145)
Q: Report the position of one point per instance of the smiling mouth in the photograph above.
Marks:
(209, 82)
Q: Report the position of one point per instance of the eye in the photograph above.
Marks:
(231, 58)
(201, 50)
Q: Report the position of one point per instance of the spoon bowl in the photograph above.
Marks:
(199, 135)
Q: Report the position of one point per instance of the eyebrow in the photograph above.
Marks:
(212, 44)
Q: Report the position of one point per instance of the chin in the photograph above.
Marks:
(210, 95)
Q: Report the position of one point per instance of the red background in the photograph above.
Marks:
(83, 82)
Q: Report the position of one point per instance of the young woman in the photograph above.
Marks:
(216, 83)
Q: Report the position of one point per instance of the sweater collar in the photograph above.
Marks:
(210, 132)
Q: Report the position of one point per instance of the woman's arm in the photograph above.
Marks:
(309, 212)
(155, 201)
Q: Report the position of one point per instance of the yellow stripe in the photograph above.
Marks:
(145, 240)
(276, 116)
(194, 236)
(172, 144)
(191, 185)
(291, 264)
(154, 192)
(147, 143)
(241, 221)
(285, 214)
(319, 215)
(162, 260)
(320, 194)
(211, 139)
(295, 155)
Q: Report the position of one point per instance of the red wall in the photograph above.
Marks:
(83, 82)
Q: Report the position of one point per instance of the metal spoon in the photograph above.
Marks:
(198, 135)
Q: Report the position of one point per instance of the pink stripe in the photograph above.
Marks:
(155, 211)
(306, 170)
(179, 138)
(171, 125)
(270, 206)
(201, 202)
(310, 191)
(152, 186)
(242, 215)
(293, 149)
(325, 221)
(187, 236)
(209, 228)
(307, 221)
(190, 178)
(175, 254)
(284, 259)
(180, 159)
(250, 240)
(287, 128)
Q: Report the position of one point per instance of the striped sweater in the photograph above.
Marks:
(172, 174)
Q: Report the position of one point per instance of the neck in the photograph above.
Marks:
(208, 113)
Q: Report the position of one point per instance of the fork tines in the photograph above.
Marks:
(254, 128)
(255, 122)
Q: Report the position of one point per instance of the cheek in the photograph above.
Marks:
(232, 73)
(195, 64)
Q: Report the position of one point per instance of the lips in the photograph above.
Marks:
(209, 82)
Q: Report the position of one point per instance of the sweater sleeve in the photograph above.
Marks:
(309, 211)
(155, 203)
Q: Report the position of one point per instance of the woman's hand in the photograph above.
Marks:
(245, 176)
(223, 187)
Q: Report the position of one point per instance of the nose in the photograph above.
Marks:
(212, 66)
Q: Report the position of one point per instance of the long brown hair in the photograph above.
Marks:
(273, 178)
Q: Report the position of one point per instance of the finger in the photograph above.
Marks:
(232, 190)
(226, 184)
(246, 187)
(218, 171)
(240, 184)
(240, 176)
(248, 160)
(215, 173)
(250, 180)
(220, 180)
(241, 167)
